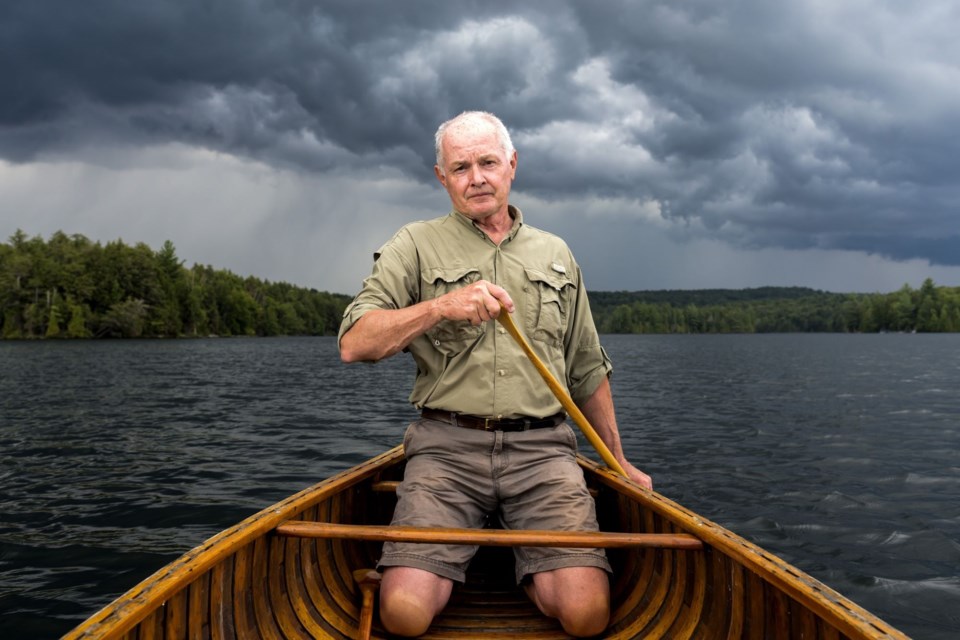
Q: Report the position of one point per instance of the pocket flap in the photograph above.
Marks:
(449, 274)
(555, 281)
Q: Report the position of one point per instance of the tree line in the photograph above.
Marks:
(778, 310)
(72, 287)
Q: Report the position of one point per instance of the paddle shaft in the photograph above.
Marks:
(368, 581)
(561, 393)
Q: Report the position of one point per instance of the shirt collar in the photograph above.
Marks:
(515, 213)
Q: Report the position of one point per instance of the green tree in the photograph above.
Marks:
(125, 319)
(53, 323)
(903, 310)
(168, 308)
(77, 326)
(928, 307)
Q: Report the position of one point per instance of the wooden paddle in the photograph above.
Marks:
(561, 393)
(368, 581)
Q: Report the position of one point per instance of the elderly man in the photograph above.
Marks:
(491, 438)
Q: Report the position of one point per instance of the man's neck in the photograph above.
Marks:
(497, 226)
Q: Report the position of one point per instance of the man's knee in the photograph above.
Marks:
(403, 614)
(587, 617)
(579, 597)
(410, 599)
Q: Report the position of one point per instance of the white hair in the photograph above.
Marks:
(499, 128)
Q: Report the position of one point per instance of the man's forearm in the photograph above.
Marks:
(599, 410)
(381, 333)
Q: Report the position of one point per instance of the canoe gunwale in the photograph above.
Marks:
(848, 617)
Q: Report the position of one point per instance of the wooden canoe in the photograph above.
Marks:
(276, 575)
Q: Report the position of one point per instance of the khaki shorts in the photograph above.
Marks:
(459, 477)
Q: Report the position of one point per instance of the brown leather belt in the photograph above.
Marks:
(493, 424)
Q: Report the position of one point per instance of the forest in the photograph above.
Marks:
(72, 287)
(929, 309)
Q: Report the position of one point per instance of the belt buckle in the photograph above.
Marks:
(486, 425)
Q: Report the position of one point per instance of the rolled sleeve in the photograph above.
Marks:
(392, 284)
(351, 314)
(583, 383)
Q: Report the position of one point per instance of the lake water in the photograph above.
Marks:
(840, 453)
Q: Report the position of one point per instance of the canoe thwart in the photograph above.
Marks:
(489, 537)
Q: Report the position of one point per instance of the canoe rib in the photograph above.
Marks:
(255, 580)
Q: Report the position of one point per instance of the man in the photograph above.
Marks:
(491, 438)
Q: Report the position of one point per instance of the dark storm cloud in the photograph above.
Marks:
(795, 125)
(239, 75)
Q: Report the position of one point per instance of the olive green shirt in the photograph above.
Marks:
(480, 370)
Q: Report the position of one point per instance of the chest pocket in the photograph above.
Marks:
(449, 337)
(548, 313)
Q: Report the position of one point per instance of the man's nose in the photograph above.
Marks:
(476, 176)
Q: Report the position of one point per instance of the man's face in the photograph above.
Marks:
(477, 173)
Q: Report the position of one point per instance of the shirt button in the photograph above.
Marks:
(501, 330)
(501, 372)
(436, 342)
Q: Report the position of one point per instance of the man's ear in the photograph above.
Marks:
(442, 178)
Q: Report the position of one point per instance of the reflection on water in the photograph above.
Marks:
(839, 453)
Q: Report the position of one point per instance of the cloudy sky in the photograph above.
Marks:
(674, 144)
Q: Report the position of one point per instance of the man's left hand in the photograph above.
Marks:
(636, 475)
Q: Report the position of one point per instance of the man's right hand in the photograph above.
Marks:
(475, 303)
(380, 333)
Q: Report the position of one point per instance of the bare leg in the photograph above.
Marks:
(579, 597)
(410, 599)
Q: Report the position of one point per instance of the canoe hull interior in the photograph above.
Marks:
(249, 582)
